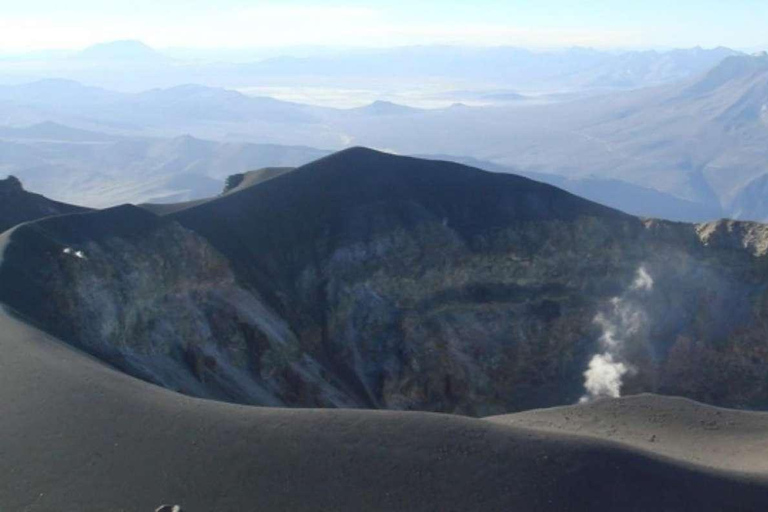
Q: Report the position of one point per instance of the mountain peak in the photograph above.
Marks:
(736, 67)
(126, 50)
(382, 107)
(361, 179)
(11, 184)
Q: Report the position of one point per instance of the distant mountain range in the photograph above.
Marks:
(573, 69)
(704, 141)
(693, 150)
(101, 170)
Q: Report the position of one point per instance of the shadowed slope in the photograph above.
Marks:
(234, 183)
(718, 438)
(18, 205)
(338, 198)
(78, 436)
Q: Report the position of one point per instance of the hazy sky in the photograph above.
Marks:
(51, 24)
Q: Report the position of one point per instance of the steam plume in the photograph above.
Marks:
(619, 324)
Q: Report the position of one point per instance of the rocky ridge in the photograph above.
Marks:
(18, 205)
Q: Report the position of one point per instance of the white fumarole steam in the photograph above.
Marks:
(77, 254)
(604, 376)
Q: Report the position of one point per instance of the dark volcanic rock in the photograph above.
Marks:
(371, 280)
(233, 182)
(11, 185)
(241, 181)
(17, 205)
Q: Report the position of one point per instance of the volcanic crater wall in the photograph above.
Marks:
(399, 307)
